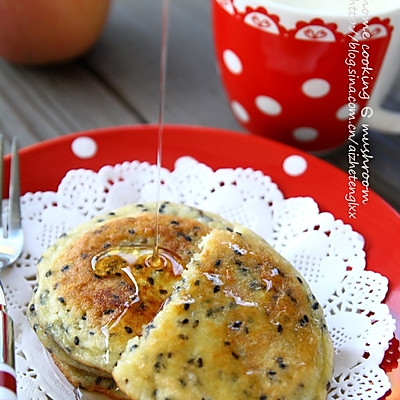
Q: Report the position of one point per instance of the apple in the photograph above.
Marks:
(38, 32)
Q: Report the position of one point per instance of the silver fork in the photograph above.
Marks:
(11, 242)
(11, 235)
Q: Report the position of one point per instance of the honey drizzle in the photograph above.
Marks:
(115, 260)
(155, 258)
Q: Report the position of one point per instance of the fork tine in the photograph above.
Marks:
(14, 221)
(1, 179)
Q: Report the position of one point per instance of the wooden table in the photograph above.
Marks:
(117, 83)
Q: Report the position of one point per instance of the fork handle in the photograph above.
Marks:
(8, 383)
(8, 380)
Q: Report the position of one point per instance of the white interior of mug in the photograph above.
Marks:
(324, 8)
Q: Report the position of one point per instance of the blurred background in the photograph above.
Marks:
(117, 83)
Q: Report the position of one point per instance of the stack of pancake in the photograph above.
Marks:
(230, 319)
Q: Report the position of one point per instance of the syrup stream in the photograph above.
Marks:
(155, 259)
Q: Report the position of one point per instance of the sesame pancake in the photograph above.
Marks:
(80, 378)
(91, 317)
(240, 324)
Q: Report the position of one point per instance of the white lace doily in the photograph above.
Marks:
(326, 251)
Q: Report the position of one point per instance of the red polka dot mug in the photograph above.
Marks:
(310, 73)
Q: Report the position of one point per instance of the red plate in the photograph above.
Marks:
(44, 164)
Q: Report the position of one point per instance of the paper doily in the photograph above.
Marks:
(327, 252)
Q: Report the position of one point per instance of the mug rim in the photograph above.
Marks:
(295, 9)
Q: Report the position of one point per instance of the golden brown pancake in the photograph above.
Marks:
(91, 317)
(241, 324)
(230, 316)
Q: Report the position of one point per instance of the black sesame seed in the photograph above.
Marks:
(32, 308)
(280, 328)
(300, 280)
(185, 321)
(186, 237)
(315, 306)
(173, 222)
(280, 362)
(197, 282)
(271, 373)
(131, 231)
(48, 273)
(163, 291)
(196, 323)
(217, 263)
(157, 366)
(303, 321)
(76, 340)
(109, 311)
(235, 355)
(150, 280)
(65, 268)
(128, 329)
(183, 337)
(236, 325)
(61, 300)
(186, 306)
(106, 245)
(200, 362)
(263, 397)
(217, 288)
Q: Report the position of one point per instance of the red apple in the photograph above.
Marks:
(35, 32)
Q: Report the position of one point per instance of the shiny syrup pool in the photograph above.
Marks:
(117, 260)
(123, 261)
